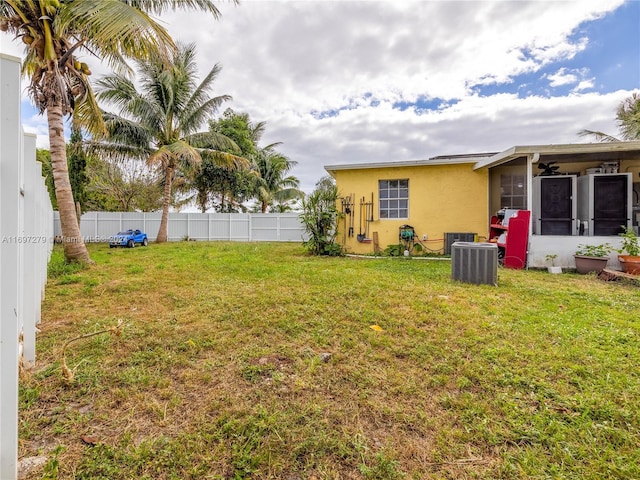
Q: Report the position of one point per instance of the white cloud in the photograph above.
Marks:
(284, 60)
(562, 77)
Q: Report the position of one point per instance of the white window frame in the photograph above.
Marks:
(511, 182)
(393, 199)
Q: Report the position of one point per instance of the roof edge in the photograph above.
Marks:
(555, 149)
(439, 160)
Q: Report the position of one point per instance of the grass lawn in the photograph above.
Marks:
(219, 372)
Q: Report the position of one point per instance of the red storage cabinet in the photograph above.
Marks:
(515, 240)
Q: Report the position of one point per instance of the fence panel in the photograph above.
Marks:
(239, 227)
(26, 234)
(10, 152)
(198, 226)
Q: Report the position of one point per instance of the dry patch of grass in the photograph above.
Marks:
(220, 373)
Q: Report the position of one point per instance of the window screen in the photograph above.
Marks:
(394, 198)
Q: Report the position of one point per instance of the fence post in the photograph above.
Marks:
(28, 258)
(10, 155)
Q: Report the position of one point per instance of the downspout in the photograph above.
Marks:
(531, 160)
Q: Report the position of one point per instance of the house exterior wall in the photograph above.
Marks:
(442, 198)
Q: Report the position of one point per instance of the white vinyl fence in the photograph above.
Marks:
(26, 239)
(241, 227)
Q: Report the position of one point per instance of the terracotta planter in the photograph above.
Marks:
(630, 264)
(586, 264)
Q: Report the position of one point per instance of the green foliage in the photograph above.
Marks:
(52, 466)
(58, 267)
(630, 242)
(238, 128)
(398, 249)
(222, 189)
(122, 187)
(601, 250)
(273, 184)
(394, 250)
(44, 157)
(382, 467)
(267, 181)
(77, 162)
(320, 216)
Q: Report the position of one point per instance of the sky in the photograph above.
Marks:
(365, 81)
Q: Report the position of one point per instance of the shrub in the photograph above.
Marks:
(602, 250)
(320, 218)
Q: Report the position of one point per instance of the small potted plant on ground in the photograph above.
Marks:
(630, 262)
(551, 258)
(592, 258)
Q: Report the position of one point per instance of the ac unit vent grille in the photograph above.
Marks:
(449, 238)
(474, 263)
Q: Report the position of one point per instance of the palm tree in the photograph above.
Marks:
(628, 120)
(54, 33)
(273, 184)
(160, 122)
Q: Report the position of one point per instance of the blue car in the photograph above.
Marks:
(128, 238)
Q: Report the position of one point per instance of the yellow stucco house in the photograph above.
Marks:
(576, 193)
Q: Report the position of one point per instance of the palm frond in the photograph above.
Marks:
(89, 114)
(176, 153)
(160, 6)
(257, 130)
(628, 116)
(225, 160)
(127, 132)
(598, 136)
(113, 29)
(116, 152)
(116, 89)
(213, 141)
(288, 194)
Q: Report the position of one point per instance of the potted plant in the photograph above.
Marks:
(551, 258)
(630, 262)
(592, 258)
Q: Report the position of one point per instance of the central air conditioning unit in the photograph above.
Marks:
(450, 238)
(474, 263)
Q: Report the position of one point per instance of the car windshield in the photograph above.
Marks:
(126, 232)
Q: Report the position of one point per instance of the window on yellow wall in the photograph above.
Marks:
(394, 198)
(513, 191)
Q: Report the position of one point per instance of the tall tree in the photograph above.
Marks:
(160, 122)
(122, 187)
(218, 187)
(273, 184)
(267, 182)
(77, 164)
(628, 120)
(54, 33)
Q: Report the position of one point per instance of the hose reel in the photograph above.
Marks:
(406, 235)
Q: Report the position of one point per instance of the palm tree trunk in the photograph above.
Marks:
(264, 206)
(203, 197)
(162, 231)
(74, 248)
